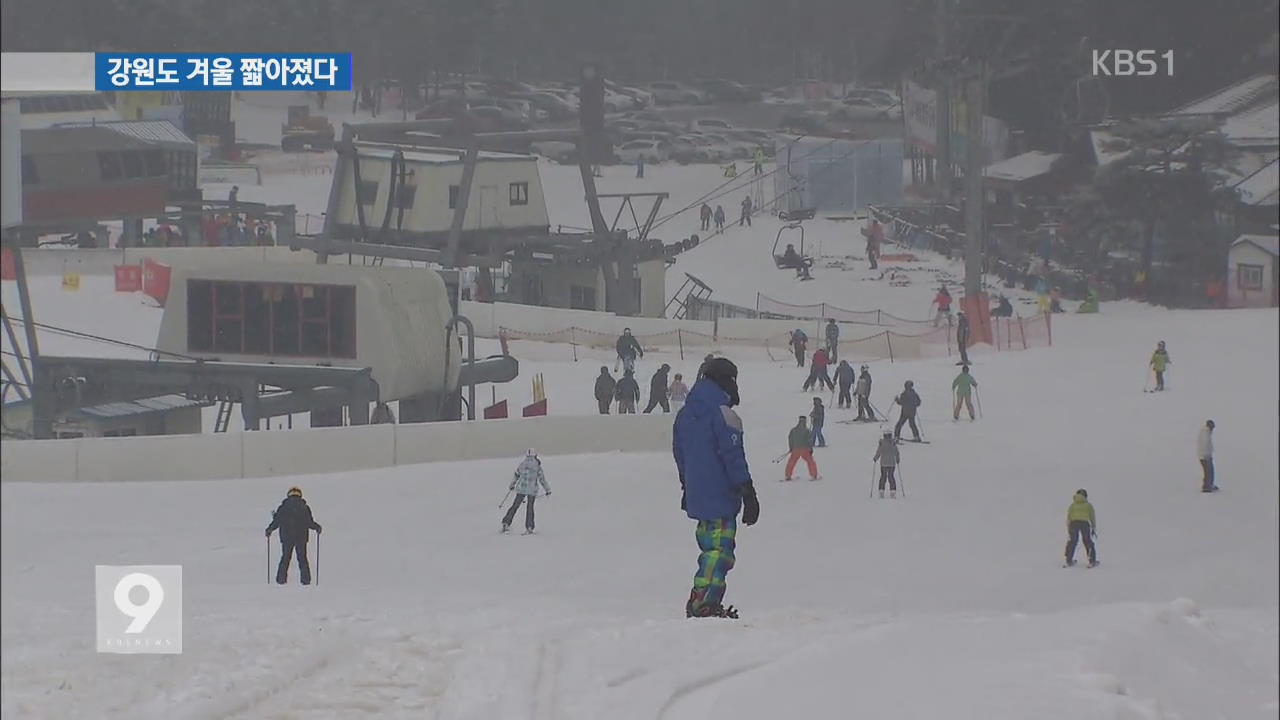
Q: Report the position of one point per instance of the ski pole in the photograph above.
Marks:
(504, 499)
(872, 494)
(268, 559)
(779, 458)
(977, 396)
(902, 481)
(318, 556)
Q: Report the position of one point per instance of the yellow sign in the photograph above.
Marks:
(71, 281)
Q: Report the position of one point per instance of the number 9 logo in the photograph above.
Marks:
(141, 614)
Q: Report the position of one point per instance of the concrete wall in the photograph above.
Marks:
(321, 450)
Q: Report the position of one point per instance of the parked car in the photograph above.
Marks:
(645, 116)
(647, 135)
(810, 117)
(669, 92)
(504, 118)
(738, 148)
(720, 90)
(515, 105)
(639, 98)
(864, 108)
(561, 151)
(755, 138)
(556, 107)
(460, 88)
(883, 97)
(699, 148)
(615, 102)
(451, 107)
(509, 87)
(710, 125)
(653, 151)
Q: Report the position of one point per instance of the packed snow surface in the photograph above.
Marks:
(948, 603)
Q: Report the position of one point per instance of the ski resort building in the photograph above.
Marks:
(1252, 276)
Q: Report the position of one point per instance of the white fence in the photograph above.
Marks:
(221, 456)
(49, 261)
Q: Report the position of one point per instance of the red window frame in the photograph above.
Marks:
(335, 346)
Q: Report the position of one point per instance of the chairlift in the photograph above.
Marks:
(777, 255)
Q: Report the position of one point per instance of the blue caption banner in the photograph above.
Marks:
(225, 72)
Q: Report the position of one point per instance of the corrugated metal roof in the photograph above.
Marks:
(1258, 126)
(154, 131)
(161, 403)
(1262, 187)
(1233, 98)
(435, 156)
(1022, 167)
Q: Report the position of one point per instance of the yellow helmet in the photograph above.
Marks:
(295, 491)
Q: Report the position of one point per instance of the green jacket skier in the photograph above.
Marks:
(1081, 524)
(1159, 363)
(963, 387)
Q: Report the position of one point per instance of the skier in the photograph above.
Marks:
(605, 385)
(943, 301)
(833, 339)
(799, 341)
(1159, 363)
(817, 418)
(1003, 308)
(705, 214)
(818, 375)
(962, 337)
(628, 350)
(678, 392)
(910, 403)
(719, 217)
(1081, 524)
(845, 378)
(875, 238)
(963, 387)
(800, 447)
(293, 519)
(658, 390)
(628, 393)
(1204, 448)
(887, 455)
(759, 161)
(639, 166)
(863, 391)
(715, 481)
(525, 481)
(745, 217)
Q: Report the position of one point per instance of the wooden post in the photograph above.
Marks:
(888, 339)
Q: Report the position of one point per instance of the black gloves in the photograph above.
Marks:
(319, 529)
(268, 532)
(750, 505)
(682, 498)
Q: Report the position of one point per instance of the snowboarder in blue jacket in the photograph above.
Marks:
(715, 481)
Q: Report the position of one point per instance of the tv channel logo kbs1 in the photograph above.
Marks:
(139, 608)
(236, 72)
(1121, 62)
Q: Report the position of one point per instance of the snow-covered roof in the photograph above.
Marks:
(1259, 126)
(1233, 98)
(142, 406)
(1262, 187)
(1022, 167)
(1268, 243)
(436, 156)
(1101, 155)
(154, 131)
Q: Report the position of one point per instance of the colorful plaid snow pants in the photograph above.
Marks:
(716, 541)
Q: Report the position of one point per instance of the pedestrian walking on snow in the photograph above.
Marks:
(818, 418)
(800, 447)
(833, 340)
(715, 483)
(627, 392)
(526, 482)
(909, 401)
(719, 217)
(943, 301)
(605, 385)
(628, 349)
(746, 212)
(1081, 525)
(1159, 363)
(845, 377)
(962, 337)
(1204, 448)
(294, 521)
(887, 456)
(799, 342)
(863, 393)
(963, 387)
(705, 215)
(658, 390)
(818, 375)
(678, 392)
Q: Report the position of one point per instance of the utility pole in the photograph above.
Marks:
(942, 29)
(975, 84)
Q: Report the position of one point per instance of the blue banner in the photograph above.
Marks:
(224, 72)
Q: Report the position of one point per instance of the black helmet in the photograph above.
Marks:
(909, 384)
(724, 374)
(604, 369)
(1083, 493)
